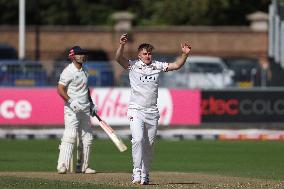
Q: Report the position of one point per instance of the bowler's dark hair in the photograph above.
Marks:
(146, 46)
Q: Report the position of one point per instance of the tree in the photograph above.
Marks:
(148, 12)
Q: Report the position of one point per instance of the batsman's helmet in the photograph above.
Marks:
(77, 50)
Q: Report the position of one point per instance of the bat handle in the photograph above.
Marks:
(98, 117)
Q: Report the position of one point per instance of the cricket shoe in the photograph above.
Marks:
(62, 170)
(136, 181)
(145, 180)
(89, 171)
(136, 176)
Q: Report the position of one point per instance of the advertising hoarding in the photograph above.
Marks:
(43, 106)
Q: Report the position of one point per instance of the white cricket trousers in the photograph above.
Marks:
(75, 123)
(143, 128)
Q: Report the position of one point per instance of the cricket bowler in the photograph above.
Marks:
(73, 88)
(143, 113)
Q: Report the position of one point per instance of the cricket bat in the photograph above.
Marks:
(110, 132)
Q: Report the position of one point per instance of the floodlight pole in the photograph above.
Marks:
(22, 26)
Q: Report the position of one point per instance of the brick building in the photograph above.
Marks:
(51, 41)
(47, 43)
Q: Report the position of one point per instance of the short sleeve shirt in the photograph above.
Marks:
(76, 82)
(144, 80)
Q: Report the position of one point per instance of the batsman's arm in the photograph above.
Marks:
(119, 52)
(62, 91)
(74, 104)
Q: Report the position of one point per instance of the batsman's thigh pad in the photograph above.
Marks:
(69, 136)
(71, 119)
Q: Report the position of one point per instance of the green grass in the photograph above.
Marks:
(41, 155)
(28, 183)
(236, 158)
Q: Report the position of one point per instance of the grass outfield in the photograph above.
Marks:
(255, 159)
(28, 183)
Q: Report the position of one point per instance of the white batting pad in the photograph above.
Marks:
(86, 155)
(65, 154)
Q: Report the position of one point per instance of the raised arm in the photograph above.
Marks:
(185, 48)
(119, 52)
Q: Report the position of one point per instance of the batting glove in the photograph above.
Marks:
(75, 105)
(93, 109)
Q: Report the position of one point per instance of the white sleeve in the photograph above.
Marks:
(130, 64)
(165, 66)
(65, 78)
(162, 66)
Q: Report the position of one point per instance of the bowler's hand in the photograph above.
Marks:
(123, 39)
(185, 48)
(93, 109)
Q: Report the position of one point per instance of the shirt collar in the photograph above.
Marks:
(75, 68)
(143, 64)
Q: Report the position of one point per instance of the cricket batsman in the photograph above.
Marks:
(73, 88)
(143, 113)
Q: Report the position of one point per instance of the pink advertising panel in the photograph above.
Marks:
(176, 107)
(30, 106)
(43, 106)
(186, 105)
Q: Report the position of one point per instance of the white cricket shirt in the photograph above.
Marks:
(144, 80)
(76, 82)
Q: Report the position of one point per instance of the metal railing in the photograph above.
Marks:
(18, 73)
(15, 73)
